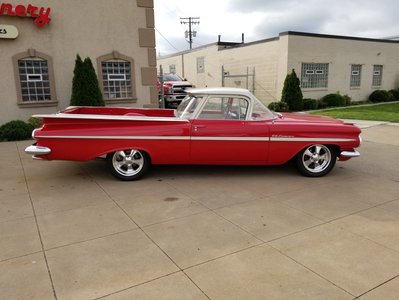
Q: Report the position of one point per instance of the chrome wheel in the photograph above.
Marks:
(128, 164)
(316, 160)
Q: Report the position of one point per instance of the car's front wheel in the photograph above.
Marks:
(128, 164)
(316, 160)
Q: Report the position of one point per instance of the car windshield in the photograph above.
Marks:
(172, 77)
(187, 107)
(261, 112)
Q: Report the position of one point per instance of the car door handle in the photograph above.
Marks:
(196, 127)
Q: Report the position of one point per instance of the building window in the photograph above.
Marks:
(377, 75)
(116, 74)
(314, 75)
(200, 64)
(356, 75)
(34, 78)
(117, 79)
(172, 69)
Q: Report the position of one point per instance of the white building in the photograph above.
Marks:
(324, 64)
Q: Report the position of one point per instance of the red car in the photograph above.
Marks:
(220, 126)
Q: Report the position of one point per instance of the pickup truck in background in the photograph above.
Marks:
(174, 90)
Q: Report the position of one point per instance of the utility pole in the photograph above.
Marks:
(190, 34)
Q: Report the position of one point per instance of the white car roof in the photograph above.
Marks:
(220, 91)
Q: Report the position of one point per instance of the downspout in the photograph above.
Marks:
(182, 65)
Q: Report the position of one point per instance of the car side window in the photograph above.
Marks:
(224, 108)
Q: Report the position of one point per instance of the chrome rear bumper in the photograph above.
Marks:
(37, 150)
(353, 153)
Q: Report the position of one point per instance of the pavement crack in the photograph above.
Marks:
(37, 224)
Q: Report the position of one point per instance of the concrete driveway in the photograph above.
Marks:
(71, 231)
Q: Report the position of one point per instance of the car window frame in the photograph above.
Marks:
(251, 101)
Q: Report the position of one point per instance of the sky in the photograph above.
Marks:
(262, 19)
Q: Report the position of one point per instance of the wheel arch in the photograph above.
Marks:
(336, 148)
(110, 151)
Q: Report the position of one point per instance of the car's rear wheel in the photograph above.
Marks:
(128, 164)
(316, 160)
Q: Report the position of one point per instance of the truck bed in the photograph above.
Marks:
(119, 111)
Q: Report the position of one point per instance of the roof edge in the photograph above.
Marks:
(341, 37)
(188, 51)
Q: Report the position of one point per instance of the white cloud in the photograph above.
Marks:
(260, 19)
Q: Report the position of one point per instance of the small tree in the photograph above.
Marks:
(292, 94)
(85, 87)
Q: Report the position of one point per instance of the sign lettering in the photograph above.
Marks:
(8, 32)
(40, 14)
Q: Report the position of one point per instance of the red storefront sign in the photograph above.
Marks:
(40, 14)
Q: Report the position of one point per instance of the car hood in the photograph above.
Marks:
(178, 83)
(306, 118)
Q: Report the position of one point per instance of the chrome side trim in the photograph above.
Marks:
(116, 137)
(33, 132)
(295, 139)
(37, 150)
(201, 138)
(353, 153)
(179, 138)
(111, 117)
(233, 138)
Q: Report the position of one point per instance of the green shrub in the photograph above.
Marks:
(278, 106)
(292, 94)
(309, 104)
(85, 87)
(321, 104)
(333, 100)
(380, 96)
(15, 131)
(35, 122)
(347, 100)
(395, 94)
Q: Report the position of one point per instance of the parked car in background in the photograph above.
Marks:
(214, 126)
(174, 90)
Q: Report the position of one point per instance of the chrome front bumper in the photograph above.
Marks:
(353, 153)
(37, 150)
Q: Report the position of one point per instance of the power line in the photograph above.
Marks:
(166, 40)
(190, 34)
(173, 10)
